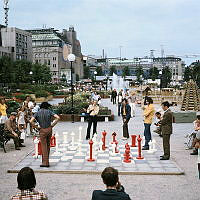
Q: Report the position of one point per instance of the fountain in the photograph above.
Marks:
(118, 83)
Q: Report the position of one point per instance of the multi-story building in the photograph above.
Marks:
(175, 64)
(18, 42)
(48, 49)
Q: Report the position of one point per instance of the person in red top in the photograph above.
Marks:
(26, 184)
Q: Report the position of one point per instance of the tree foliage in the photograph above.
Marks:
(139, 72)
(166, 77)
(19, 72)
(153, 73)
(86, 72)
(112, 70)
(99, 71)
(125, 71)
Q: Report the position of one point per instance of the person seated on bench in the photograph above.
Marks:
(26, 184)
(196, 141)
(11, 130)
(114, 191)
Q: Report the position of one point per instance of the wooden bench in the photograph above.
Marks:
(106, 117)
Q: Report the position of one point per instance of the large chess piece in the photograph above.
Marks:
(72, 143)
(36, 142)
(91, 159)
(140, 157)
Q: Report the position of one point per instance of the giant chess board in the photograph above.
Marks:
(68, 158)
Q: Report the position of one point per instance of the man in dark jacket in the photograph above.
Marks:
(126, 115)
(114, 191)
(166, 129)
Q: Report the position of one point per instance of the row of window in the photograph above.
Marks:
(21, 44)
(45, 43)
(4, 54)
(21, 57)
(21, 51)
(21, 37)
(45, 55)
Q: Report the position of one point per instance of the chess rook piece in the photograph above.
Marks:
(53, 141)
(116, 150)
(127, 156)
(133, 140)
(114, 138)
(104, 140)
(91, 159)
(139, 157)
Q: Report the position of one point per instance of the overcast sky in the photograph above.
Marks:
(137, 25)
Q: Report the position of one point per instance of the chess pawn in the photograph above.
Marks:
(65, 134)
(150, 147)
(101, 146)
(113, 149)
(80, 132)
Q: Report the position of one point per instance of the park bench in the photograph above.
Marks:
(99, 117)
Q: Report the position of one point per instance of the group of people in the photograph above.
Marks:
(27, 182)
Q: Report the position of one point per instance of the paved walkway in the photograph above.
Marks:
(76, 186)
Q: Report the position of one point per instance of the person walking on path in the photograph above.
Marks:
(114, 96)
(132, 100)
(3, 108)
(119, 101)
(93, 111)
(44, 117)
(166, 129)
(126, 115)
(148, 117)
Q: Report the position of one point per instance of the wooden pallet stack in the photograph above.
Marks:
(191, 100)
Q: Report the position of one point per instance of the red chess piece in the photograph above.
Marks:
(114, 138)
(91, 159)
(133, 140)
(139, 139)
(116, 150)
(126, 146)
(53, 141)
(127, 156)
(104, 140)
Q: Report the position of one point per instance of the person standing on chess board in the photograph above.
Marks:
(93, 111)
(126, 115)
(166, 129)
(44, 117)
(114, 189)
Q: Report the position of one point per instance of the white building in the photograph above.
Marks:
(19, 41)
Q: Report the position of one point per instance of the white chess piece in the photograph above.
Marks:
(65, 134)
(154, 145)
(80, 132)
(150, 147)
(100, 146)
(113, 149)
(143, 140)
(57, 153)
(36, 142)
(72, 143)
(80, 153)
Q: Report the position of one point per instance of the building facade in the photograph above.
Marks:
(18, 41)
(48, 49)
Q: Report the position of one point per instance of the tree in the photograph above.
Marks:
(112, 70)
(187, 73)
(153, 73)
(99, 71)
(139, 72)
(195, 70)
(125, 71)
(86, 72)
(166, 77)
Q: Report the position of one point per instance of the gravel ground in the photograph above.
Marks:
(139, 187)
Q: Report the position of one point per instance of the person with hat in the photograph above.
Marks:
(44, 117)
(11, 130)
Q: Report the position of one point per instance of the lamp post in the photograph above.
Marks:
(141, 80)
(95, 75)
(106, 82)
(71, 58)
(31, 73)
(160, 73)
(6, 8)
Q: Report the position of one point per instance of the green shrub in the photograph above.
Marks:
(12, 106)
(21, 96)
(41, 93)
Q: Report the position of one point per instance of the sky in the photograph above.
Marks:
(136, 25)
